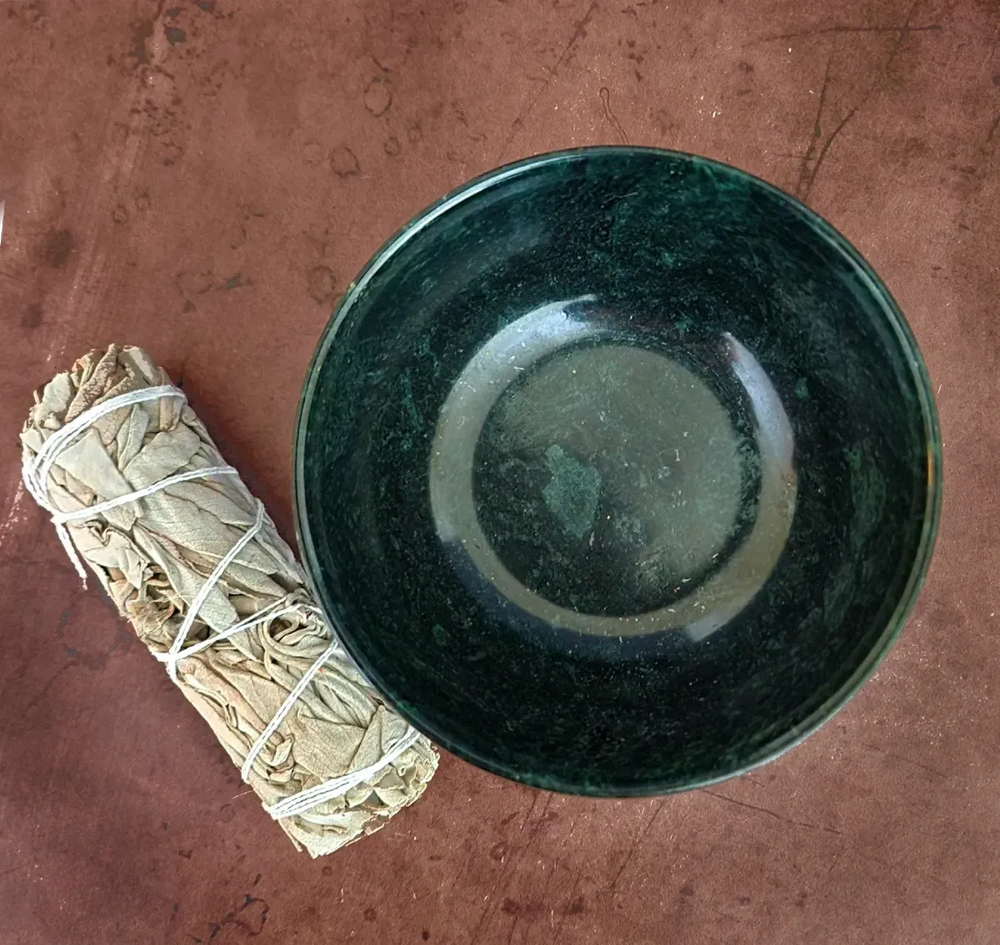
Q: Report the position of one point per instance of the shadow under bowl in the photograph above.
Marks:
(617, 471)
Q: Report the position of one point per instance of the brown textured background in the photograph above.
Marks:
(204, 179)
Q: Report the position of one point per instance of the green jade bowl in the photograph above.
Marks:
(618, 471)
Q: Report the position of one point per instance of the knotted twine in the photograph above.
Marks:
(139, 492)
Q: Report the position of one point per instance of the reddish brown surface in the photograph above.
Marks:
(203, 180)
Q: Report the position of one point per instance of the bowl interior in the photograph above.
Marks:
(617, 471)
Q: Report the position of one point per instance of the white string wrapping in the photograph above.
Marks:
(35, 475)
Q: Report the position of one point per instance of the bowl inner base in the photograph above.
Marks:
(613, 482)
(609, 478)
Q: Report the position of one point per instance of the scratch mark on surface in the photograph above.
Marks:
(491, 896)
(505, 875)
(817, 132)
(770, 813)
(917, 764)
(48, 685)
(579, 29)
(905, 29)
(531, 810)
(826, 147)
(610, 115)
(639, 837)
(56, 762)
(905, 760)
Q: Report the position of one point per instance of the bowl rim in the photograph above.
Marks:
(789, 737)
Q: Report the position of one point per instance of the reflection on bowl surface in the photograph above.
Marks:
(617, 471)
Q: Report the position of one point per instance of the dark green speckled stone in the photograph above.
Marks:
(617, 471)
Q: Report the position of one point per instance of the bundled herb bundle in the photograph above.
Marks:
(141, 495)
